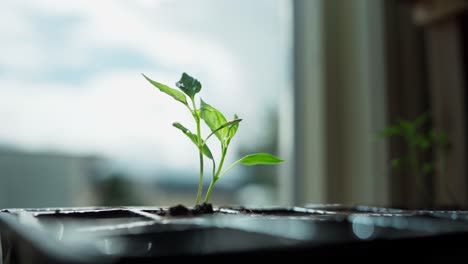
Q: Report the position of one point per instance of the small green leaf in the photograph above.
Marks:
(181, 127)
(230, 124)
(206, 151)
(260, 158)
(427, 168)
(213, 119)
(408, 129)
(189, 85)
(168, 90)
(422, 142)
(233, 129)
(396, 163)
(390, 131)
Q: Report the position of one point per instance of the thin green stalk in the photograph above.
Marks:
(210, 189)
(214, 168)
(216, 175)
(200, 183)
(200, 152)
(229, 168)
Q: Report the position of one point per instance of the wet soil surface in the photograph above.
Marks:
(207, 209)
(181, 210)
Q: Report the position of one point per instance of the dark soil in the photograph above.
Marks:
(181, 210)
(204, 208)
(178, 210)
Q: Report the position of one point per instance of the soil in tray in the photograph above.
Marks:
(180, 210)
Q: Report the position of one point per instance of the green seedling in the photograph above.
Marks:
(222, 129)
(419, 141)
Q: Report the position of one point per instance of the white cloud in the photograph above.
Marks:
(115, 114)
(118, 115)
(109, 24)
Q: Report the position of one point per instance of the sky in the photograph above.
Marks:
(70, 75)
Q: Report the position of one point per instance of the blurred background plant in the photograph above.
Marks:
(421, 140)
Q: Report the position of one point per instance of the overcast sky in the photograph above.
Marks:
(70, 74)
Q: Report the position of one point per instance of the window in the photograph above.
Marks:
(80, 126)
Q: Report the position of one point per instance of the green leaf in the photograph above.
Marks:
(233, 129)
(213, 119)
(206, 151)
(168, 90)
(390, 131)
(427, 168)
(396, 163)
(422, 142)
(229, 124)
(408, 129)
(189, 85)
(260, 158)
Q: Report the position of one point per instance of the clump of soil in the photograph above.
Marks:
(181, 210)
(178, 210)
(204, 208)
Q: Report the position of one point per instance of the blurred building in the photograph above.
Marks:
(46, 179)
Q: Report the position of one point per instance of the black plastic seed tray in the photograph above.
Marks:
(148, 234)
